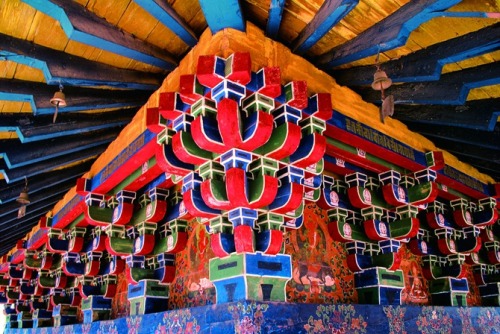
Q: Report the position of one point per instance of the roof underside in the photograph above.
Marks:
(109, 56)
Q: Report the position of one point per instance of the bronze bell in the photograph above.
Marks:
(59, 99)
(380, 80)
(23, 197)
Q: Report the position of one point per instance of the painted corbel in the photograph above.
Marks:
(72, 264)
(243, 221)
(165, 157)
(192, 197)
(290, 192)
(137, 269)
(117, 243)
(172, 237)
(183, 144)
(163, 266)
(76, 238)
(269, 238)
(286, 135)
(204, 127)
(312, 145)
(56, 242)
(345, 226)
(96, 212)
(242, 191)
(221, 236)
(213, 187)
(487, 213)
(243, 132)
(145, 242)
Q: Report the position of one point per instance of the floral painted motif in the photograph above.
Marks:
(107, 327)
(86, 328)
(465, 316)
(179, 321)
(252, 320)
(489, 320)
(133, 324)
(395, 317)
(67, 330)
(434, 319)
(336, 319)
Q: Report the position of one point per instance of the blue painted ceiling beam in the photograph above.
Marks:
(42, 182)
(223, 14)
(330, 13)
(426, 64)
(164, 13)
(83, 26)
(452, 89)
(39, 198)
(388, 34)
(60, 67)
(275, 16)
(31, 129)
(16, 154)
(18, 174)
(476, 115)
(78, 99)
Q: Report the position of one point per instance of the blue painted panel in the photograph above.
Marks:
(223, 14)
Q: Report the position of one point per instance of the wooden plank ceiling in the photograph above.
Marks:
(108, 56)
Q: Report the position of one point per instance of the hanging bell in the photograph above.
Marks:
(23, 197)
(380, 80)
(59, 99)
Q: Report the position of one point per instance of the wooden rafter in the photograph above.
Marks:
(330, 13)
(18, 155)
(41, 182)
(452, 89)
(426, 64)
(164, 13)
(60, 67)
(29, 171)
(78, 99)
(388, 34)
(83, 26)
(478, 115)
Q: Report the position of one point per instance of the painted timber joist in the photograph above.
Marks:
(77, 99)
(60, 68)
(452, 89)
(84, 27)
(426, 64)
(390, 32)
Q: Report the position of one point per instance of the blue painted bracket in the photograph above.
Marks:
(222, 14)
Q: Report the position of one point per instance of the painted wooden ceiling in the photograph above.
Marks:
(108, 56)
